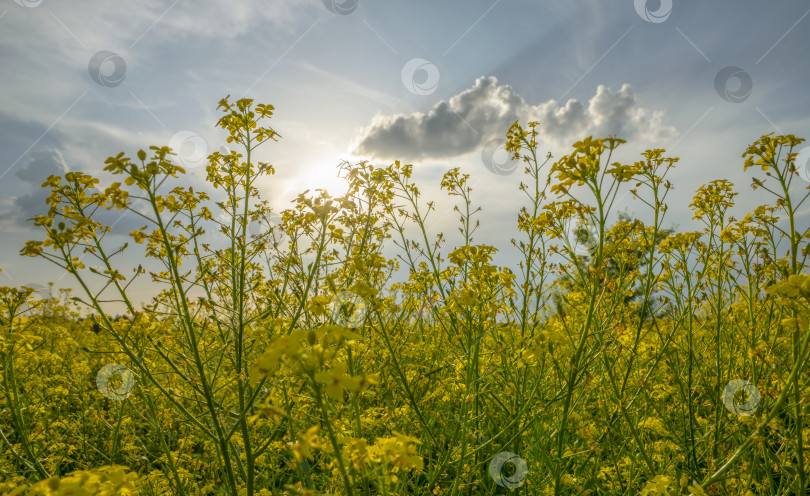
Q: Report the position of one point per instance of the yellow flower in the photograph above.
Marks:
(338, 380)
(659, 486)
(398, 450)
(696, 490)
(795, 285)
(107, 480)
(302, 448)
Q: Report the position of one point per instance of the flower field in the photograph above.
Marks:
(622, 358)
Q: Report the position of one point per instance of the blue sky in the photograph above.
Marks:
(430, 83)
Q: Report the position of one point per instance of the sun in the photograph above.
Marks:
(323, 174)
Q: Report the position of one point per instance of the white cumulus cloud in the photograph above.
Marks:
(485, 111)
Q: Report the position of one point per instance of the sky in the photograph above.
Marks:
(434, 84)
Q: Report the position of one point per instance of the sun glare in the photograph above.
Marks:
(323, 174)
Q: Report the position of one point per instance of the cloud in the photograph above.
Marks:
(450, 128)
(42, 164)
(17, 135)
(607, 113)
(471, 118)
